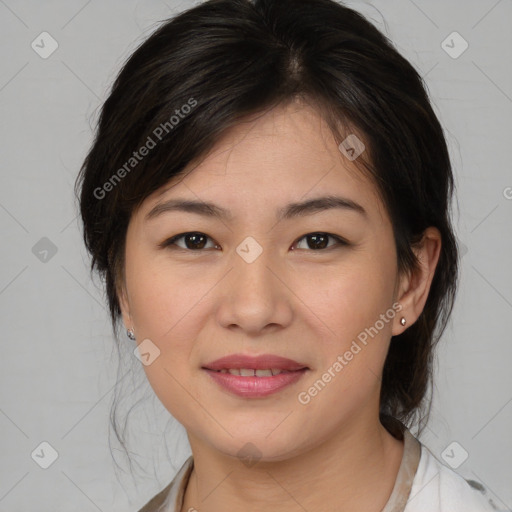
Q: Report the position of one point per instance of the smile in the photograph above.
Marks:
(249, 383)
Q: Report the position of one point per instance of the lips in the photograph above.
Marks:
(255, 376)
(260, 362)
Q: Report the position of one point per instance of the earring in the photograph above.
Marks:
(130, 334)
(402, 321)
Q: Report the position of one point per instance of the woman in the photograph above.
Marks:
(267, 199)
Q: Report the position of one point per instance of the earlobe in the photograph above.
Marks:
(415, 287)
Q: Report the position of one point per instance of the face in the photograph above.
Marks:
(315, 285)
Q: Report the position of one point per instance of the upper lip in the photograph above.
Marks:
(260, 362)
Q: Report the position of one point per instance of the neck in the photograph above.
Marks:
(352, 471)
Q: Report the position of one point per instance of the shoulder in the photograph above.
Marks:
(438, 487)
(170, 498)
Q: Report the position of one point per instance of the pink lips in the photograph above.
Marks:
(255, 387)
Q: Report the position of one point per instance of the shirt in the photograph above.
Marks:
(423, 484)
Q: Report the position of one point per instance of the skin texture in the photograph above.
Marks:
(294, 300)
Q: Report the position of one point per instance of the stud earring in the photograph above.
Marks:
(402, 321)
(130, 334)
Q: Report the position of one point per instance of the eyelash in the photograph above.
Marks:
(170, 242)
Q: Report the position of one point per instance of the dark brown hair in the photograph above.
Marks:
(226, 59)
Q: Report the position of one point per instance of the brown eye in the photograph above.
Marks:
(316, 241)
(194, 241)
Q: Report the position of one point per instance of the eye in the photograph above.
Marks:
(194, 241)
(319, 240)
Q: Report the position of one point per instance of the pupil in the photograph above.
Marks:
(194, 237)
(315, 239)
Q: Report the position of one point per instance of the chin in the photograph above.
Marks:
(252, 445)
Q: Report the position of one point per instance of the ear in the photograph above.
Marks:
(414, 288)
(122, 297)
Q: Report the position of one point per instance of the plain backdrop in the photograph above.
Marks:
(58, 368)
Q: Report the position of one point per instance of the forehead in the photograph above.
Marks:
(284, 155)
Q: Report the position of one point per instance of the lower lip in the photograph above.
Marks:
(255, 387)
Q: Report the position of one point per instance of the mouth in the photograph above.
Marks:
(255, 377)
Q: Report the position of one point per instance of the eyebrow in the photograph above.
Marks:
(292, 210)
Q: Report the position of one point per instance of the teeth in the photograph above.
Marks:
(263, 373)
(247, 372)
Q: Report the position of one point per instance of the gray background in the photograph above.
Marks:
(57, 366)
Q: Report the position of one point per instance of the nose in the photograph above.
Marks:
(255, 297)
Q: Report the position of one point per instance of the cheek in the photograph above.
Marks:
(356, 308)
(349, 299)
(169, 306)
(160, 294)
(352, 356)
